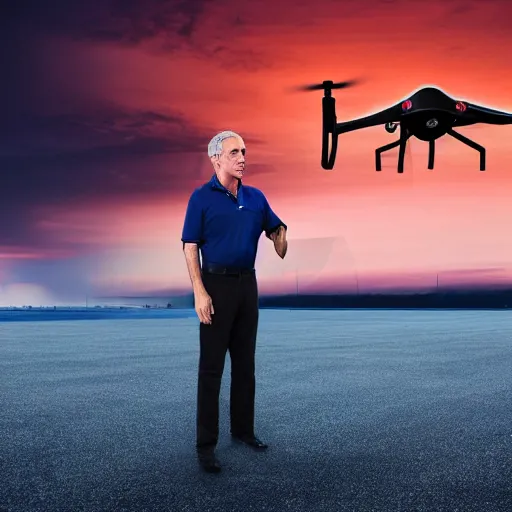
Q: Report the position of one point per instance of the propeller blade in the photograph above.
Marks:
(327, 85)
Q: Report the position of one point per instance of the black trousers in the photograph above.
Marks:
(234, 328)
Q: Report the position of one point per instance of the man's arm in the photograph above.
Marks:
(280, 242)
(192, 237)
(203, 302)
(191, 251)
(275, 229)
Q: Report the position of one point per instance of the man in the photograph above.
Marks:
(224, 221)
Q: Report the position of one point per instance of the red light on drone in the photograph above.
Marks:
(461, 107)
(407, 105)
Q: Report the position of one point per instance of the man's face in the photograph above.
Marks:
(232, 159)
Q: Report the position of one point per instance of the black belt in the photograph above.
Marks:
(212, 268)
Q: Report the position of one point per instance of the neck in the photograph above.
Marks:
(229, 182)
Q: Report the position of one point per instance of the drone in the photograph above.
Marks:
(427, 114)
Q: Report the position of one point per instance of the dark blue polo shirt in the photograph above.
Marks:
(226, 228)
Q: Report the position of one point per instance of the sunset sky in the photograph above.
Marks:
(108, 108)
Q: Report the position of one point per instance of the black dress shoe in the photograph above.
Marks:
(209, 463)
(251, 441)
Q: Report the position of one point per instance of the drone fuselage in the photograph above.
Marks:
(429, 114)
(428, 125)
(431, 98)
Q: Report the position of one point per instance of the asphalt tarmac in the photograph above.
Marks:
(363, 411)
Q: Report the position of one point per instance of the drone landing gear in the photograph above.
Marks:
(431, 153)
(471, 144)
(401, 142)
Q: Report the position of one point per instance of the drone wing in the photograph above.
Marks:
(389, 115)
(478, 114)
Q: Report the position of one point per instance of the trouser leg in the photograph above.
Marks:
(242, 348)
(214, 342)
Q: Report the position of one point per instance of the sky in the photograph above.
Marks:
(108, 108)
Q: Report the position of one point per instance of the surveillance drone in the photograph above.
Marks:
(427, 114)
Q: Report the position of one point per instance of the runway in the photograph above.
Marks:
(363, 411)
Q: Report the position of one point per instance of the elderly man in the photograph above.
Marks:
(224, 221)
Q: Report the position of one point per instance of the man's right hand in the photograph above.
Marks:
(204, 307)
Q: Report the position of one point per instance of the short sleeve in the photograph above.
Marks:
(271, 221)
(193, 224)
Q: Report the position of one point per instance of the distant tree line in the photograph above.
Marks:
(488, 299)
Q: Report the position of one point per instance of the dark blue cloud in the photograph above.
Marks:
(43, 158)
(126, 21)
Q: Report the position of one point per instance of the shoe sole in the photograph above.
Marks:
(256, 448)
(211, 470)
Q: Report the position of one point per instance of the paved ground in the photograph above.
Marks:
(364, 411)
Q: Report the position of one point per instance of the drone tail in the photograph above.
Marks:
(329, 147)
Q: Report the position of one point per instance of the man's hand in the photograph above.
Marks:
(204, 307)
(280, 242)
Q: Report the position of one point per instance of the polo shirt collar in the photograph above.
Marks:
(216, 184)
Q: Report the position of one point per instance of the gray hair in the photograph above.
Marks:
(215, 145)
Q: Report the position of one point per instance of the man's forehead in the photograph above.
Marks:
(233, 143)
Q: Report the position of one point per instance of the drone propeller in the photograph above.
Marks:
(327, 84)
(329, 121)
